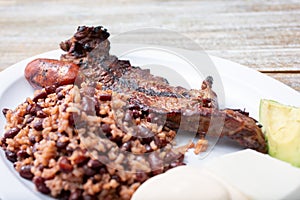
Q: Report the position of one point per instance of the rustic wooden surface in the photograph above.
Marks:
(264, 35)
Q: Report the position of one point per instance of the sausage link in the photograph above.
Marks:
(44, 72)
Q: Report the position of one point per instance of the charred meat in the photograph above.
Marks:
(190, 110)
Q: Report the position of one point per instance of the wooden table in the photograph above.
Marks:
(264, 35)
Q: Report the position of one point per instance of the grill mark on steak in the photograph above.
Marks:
(188, 109)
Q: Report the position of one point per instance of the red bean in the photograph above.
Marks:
(28, 108)
(89, 171)
(38, 125)
(11, 156)
(105, 97)
(30, 119)
(141, 176)
(94, 164)
(71, 119)
(69, 150)
(40, 185)
(32, 139)
(80, 159)
(33, 109)
(11, 133)
(41, 95)
(4, 111)
(65, 165)
(50, 89)
(22, 154)
(106, 128)
(62, 145)
(25, 172)
(41, 114)
(97, 108)
(126, 146)
(136, 114)
(102, 171)
(60, 96)
(3, 141)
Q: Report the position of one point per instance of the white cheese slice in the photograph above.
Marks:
(186, 182)
(257, 175)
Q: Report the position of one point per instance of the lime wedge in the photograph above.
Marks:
(281, 125)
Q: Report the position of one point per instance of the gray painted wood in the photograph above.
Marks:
(264, 35)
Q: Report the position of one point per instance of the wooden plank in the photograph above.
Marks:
(264, 35)
(264, 59)
(291, 79)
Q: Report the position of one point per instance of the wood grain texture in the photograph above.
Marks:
(264, 35)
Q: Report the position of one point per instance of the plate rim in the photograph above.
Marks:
(221, 64)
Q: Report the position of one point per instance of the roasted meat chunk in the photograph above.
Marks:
(189, 110)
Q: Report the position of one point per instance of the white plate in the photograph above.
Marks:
(243, 88)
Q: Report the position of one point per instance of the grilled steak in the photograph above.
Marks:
(98, 65)
(176, 107)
